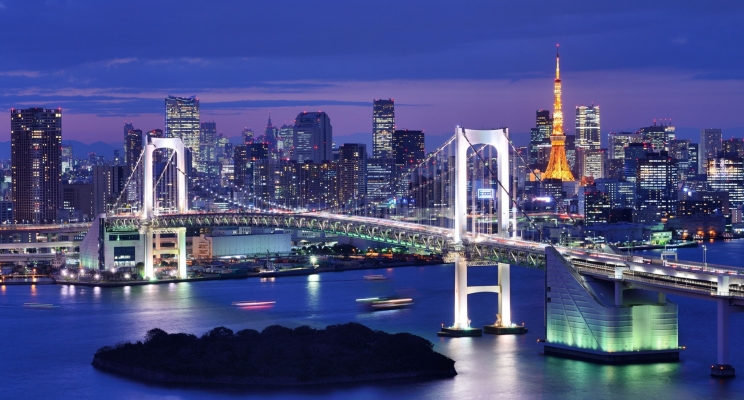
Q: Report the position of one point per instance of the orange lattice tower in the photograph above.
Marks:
(558, 167)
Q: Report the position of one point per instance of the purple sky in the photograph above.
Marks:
(477, 64)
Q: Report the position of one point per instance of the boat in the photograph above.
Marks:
(375, 277)
(385, 303)
(253, 303)
(39, 305)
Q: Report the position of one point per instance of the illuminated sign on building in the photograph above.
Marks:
(485, 194)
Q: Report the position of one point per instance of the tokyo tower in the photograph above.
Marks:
(558, 167)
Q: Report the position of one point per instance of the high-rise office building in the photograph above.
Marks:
(408, 151)
(207, 143)
(540, 140)
(656, 135)
(312, 137)
(241, 165)
(128, 126)
(35, 136)
(247, 134)
(383, 125)
(656, 180)
(133, 148)
(710, 145)
(633, 153)
(591, 162)
(618, 141)
(733, 147)
(352, 176)
(270, 136)
(77, 200)
(587, 127)
(182, 121)
(726, 174)
(285, 141)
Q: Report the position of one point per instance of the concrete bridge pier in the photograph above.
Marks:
(461, 327)
(147, 233)
(723, 368)
(504, 324)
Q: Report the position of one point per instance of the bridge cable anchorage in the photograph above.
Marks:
(501, 185)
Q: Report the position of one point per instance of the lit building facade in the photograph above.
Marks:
(383, 126)
(587, 127)
(182, 121)
(540, 140)
(656, 181)
(352, 176)
(618, 141)
(726, 174)
(710, 145)
(36, 167)
(312, 137)
(408, 151)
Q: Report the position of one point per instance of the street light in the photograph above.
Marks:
(705, 261)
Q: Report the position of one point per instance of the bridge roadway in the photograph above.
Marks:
(480, 250)
(46, 228)
(676, 277)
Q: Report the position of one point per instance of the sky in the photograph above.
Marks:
(478, 64)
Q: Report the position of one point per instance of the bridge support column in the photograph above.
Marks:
(723, 369)
(461, 326)
(505, 294)
(148, 253)
(618, 293)
(504, 324)
(181, 235)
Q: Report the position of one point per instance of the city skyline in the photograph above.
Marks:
(687, 75)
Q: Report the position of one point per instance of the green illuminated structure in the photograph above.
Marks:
(587, 319)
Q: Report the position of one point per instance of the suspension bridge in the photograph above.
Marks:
(605, 306)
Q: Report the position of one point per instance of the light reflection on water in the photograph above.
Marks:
(64, 339)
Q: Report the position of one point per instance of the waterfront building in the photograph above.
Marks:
(383, 125)
(380, 179)
(312, 137)
(587, 127)
(352, 176)
(35, 136)
(182, 121)
(558, 167)
(726, 174)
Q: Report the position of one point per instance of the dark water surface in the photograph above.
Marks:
(46, 353)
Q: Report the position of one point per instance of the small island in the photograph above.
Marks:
(276, 356)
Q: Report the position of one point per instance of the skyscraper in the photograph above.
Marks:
(657, 136)
(133, 148)
(408, 151)
(108, 183)
(285, 141)
(587, 127)
(710, 145)
(182, 121)
(313, 137)
(618, 141)
(558, 167)
(207, 143)
(540, 139)
(383, 125)
(352, 175)
(35, 136)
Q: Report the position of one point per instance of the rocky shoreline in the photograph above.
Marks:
(277, 356)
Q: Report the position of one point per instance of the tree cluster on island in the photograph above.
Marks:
(276, 356)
